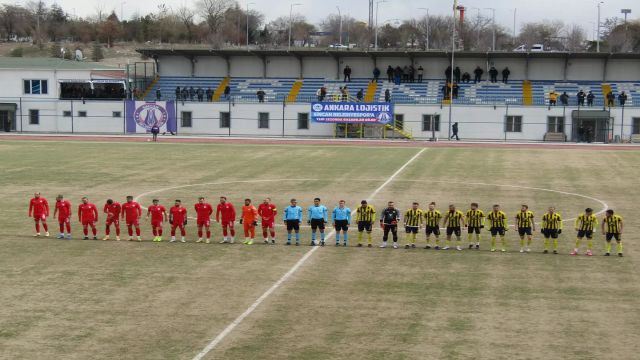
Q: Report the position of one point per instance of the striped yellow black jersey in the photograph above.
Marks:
(367, 213)
(497, 219)
(586, 222)
(454, 218)
(524, 219)
(475, 218)
(432, 218)
(413, 218)
(552, 221)
(613, 224)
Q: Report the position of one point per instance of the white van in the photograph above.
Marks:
(537, 48)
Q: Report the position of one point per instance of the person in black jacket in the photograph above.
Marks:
(376, 74)
(390, 73)
(590, 98)
(454, 131)
(493, 72)
(478, 73)
(564, 99)
(447, 74)
(622, 98)
(457, 73)
(581, 96)
(347, 73)
(611, 98)
(505, 75)
(389, 220)
(178, 92)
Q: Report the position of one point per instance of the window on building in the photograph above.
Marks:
(36, 87)
(225, 119)
(34, 117)
(430, 122)
(116, 114)
(513, 123)
(66, 113)
(636, 126)
(263, 120)
(82, 114)
(555, 124)
(186, 119)
(303, 121)
(399, 123)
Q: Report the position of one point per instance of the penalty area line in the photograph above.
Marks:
(227, 330)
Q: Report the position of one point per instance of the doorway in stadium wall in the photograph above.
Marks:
(592, 126)
(7, 117)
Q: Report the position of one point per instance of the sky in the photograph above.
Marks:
(581, 12)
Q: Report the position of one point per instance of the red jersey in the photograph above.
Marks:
(131, 210)
(38, 207)
(87, 212)
(204, 211)
(113, 210)
(64, 209)
(267, 212)
(178, 215)
(226, 212)
(157, 213)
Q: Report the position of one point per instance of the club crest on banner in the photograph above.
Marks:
(149, 114)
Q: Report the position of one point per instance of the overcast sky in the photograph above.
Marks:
(582, 12)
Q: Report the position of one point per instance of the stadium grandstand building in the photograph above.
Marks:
(518, 110)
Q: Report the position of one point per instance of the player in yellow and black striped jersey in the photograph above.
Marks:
(584, 225)
(432, 219)
(365, 216)
(454, 220)
(475, 222)
(498, 226)
(612, 227)
(413, 220)
(525, 225)
(551, 228)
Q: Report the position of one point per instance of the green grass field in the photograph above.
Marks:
(120, 300)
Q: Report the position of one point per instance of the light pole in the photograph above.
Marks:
(290, 23)
(250, 3)
(515, 14)
(598, 32)
(478, 25)
(493, 26)
(377, 10)
(428, 30)
(340, 16)
(626, 12)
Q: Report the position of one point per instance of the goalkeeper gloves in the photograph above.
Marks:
(185, 221)
(255, 223)
(240, 221)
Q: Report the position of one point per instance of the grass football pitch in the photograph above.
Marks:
(122, 300)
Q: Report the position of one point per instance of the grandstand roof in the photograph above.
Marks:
(49, 64)
(200, 51)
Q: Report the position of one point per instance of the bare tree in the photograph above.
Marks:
(186, 15)
(576, 38)
(213, 11)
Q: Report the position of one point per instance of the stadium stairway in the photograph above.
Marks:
(527, 93)
(150, 87)
(371, 91)
(220, 89)
(295, 90)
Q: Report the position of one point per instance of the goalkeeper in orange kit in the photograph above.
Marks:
(249, 220)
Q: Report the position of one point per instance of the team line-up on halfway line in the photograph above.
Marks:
(413, 220)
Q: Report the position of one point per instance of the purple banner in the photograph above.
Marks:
(143, 115)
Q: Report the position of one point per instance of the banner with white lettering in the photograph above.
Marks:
(352, 112)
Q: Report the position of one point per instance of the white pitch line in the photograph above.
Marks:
(212, 345)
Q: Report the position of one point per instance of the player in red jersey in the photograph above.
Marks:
(39, 209)
(132, 211)
(112, 209)
(63, 211)
(158, 215)
(178, 219)
(88, 216)
(268, 212)
(204, 211)
(226, 216)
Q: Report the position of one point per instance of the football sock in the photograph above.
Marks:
(477, 238)
(608, 247)
(233, 232)
(289, 237)
(493, 242)
(589, 244)
(346, 237)
(369, 238)
(154, 231)
(546, 244)
(322, 236)
(45, 226)
(199, 233)
(529, 242)
(273, 234)
(577, 243)
(503, 242)
(359, 237)
(208, 234)
(107, 231)
(470, 237)
(313, 236)
(159, 232)
(620, 247)
(521, 243)
(61, 228)
(555, 244)
(137, 231)
(37, 227)
(297, 237)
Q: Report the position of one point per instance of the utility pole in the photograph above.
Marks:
(290, 23)
(340, 16)
(377, 11)
(248, 24)
(493, 26)
(598, 33)
(428, 30)
(626, 12)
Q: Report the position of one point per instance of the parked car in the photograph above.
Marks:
(534, 48)
(338, 46)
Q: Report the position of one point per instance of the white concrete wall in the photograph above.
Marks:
(320, 67)
(174, 66)
(546, 69)
(361, 67)
(518, 67)
(246, 66)
(623, 70)
(585, 69)
(283, 67)
(210, 66)
(12, 81)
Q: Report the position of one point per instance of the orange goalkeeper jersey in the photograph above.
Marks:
(249, 214)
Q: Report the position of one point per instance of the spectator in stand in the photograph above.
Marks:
(158, 95)
(581, 96)
(457, 73)
(398, 75)
(611, 98)
(420, 73)
(136, 93)
(387, 96)
(360, 95)
(319, 94)
(178, 92)
(466, 77)
(184, 94)
(209, 93)
(405, 74)
(622, 98)
(446, 91)
(347, 73)
(493, 73)
(590, 98)
(478, 75)
(192, 93)
(455, 90)
(227, 92)
(345, 93)
(323, 92)
(447, 74)
(505, 75)
(376, 74)
(260, 94)
(200, 94)
(553, 98)
(390, 73)
(564, 99)
(412, 74)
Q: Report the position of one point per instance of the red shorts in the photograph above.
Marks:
(228, 223)
(267, 223)
(115, 222)
(39, 217)
(64, 220)
(133, 222)
(88, 222)
(206, 223)
(156, 224)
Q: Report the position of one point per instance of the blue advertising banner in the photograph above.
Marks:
(142, 115)
(352, 112)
